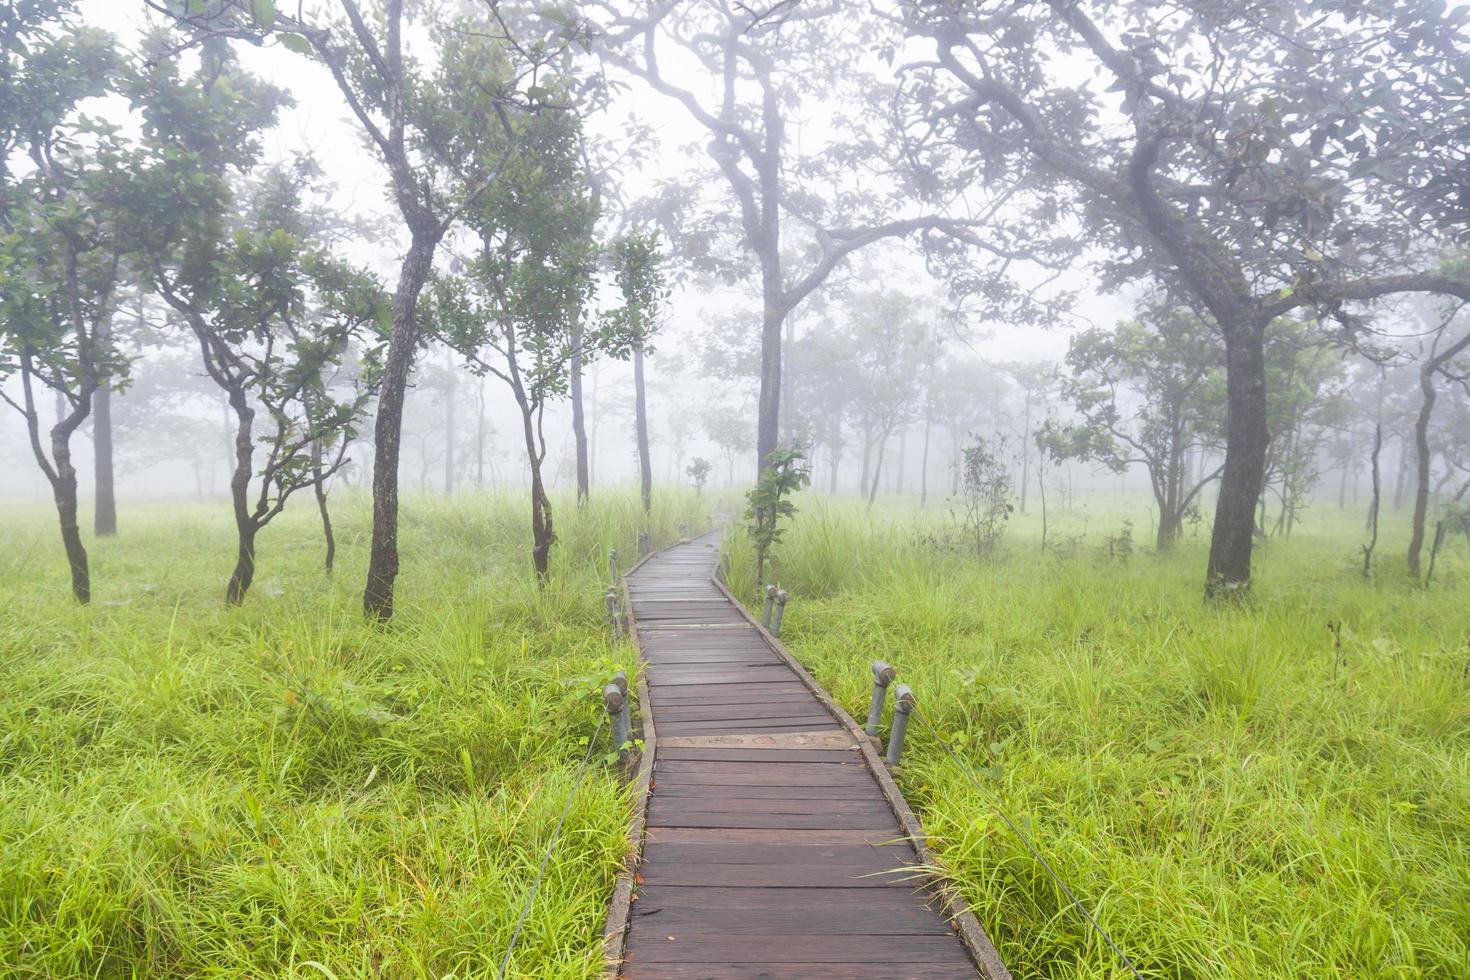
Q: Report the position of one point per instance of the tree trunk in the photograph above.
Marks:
(1373, 503)
(579, 424)
(903, 447)
(449, 425)
(377, 596)
(836, 458)
(245, 526)
(878, 467)
(640, 412)
(319, 487)
(1421, 466)
(1025, 451)
(64, 490)
(1403, 476)
(768, 421)
(104, 507)
(924, 463)
(480, 435)
(1247, 440)
(244, 572)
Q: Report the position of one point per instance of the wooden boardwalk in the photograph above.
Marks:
(770, 848)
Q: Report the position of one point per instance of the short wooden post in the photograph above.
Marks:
(770, 602)
(612, 564)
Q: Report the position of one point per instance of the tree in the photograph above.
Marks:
(1439, 360)
(518, 314)
(726, 429)
(1229, 156)
(60, 254)
(637, 270)
(769, 64)
(769, 503)
(272, 316)
(698, 471)
(426, 129)
(888, 345)
(1149, 392)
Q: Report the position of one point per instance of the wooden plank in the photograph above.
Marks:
(719, 850)
(721, 712)
(762, 911)
(795, 948)
(786, 874)
(762, 756)
(798, 970)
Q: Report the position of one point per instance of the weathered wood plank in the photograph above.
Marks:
(798, 948)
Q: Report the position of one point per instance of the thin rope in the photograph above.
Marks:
(965, 768)
(536, 885)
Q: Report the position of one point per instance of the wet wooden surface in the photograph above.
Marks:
(770, 849)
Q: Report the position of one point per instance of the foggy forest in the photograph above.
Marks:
(697, 488)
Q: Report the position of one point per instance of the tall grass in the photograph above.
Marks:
(1231, 793)
(284, 789)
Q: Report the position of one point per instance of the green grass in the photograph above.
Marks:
(283, 790)
(1230, 795)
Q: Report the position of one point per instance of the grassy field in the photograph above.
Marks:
(1229, 791)
(282, 790)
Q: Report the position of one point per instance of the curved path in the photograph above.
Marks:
(773, 846)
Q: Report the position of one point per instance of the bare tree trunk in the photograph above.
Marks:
(245, 526)
(924, 461)
(769, 412)
(1025, 451)
(1402, 481)
(480, 435)
(377, 597)
(104, 507)
(1247, 440)
(319, 487)
(836, 458)
(449, 426)
(878, 467)
(903, 446)
(640, 411)
(579, 424)
(1374, 502)
(1421, 467)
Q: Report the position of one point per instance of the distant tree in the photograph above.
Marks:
(888, 344)
(1149, 392)
(987, 497)
(728, 430)
(60, 252)
(637, 269)
(698, 471)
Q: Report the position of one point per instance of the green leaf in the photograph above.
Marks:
(297, 43)
(264, 12)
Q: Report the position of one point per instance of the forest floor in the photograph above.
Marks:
(1231, 792)
(283, 790)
